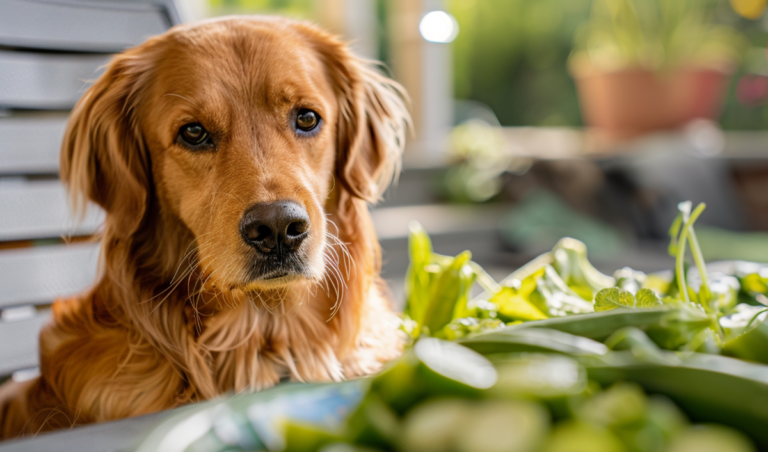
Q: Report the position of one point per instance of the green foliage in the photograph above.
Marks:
(561, 289)
(510, 55)
(616, 297)
(656, 35)
(442, 397)
(437, 287)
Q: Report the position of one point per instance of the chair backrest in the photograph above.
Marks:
(49, 51)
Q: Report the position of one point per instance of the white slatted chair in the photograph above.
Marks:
(48, 51)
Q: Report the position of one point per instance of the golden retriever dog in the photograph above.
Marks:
(235, 160)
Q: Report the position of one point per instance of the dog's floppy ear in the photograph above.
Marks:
(372, 121)
(372, 124)
(103, 158)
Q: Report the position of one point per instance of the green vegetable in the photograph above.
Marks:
(711, 438)
(615, 297)
(514, 302)
(751, 345)
(437, 286)
(600, 325)
(709, 388)
(622, 404)
(553, 296)
(434, 425)
(465, 326)
(449, 293)
(576, 436)
(570, 261)
(433, 368)
(503, 426)
(418, 280)
(532, 340)
(541, 376)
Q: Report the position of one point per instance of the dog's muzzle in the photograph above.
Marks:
(276, 231)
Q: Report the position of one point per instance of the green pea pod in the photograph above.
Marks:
(710, 438)
(467, 276)
(433, 425)
(532, 340)
(709, 388)
(448, 290)
(417, 281)
(572, 435)
(684, 327)
(538, 375)
(556, 380)
(503, 426)
(599, 326)
(433, 368)
(750, 346)
(643, 424)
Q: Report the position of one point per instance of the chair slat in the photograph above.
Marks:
(40, 209)
(45, 81)
(18, 343)
(39, 275)
(79, 27)
(30, 143)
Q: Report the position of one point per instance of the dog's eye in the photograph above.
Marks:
(307, 120)
(194, 135)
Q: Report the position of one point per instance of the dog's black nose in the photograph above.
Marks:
(276, 225)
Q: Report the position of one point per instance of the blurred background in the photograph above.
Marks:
(534, 120)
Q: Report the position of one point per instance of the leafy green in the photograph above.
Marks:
(554, 297)
(618, 327)
(646, 298)
(572, 265)
(437, 286)
(615, 297)
(418, 280)
(514, 303)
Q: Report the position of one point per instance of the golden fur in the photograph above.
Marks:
(174, 317)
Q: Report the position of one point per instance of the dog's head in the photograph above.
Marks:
(238, 130)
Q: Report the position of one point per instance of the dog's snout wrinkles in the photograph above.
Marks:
(275, 226)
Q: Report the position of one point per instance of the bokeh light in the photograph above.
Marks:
(750, 9)
(438, 26)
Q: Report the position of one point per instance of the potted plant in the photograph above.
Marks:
(645, 65)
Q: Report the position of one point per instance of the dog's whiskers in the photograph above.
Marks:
(333, 276)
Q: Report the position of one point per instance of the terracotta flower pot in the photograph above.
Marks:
(632, 102)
